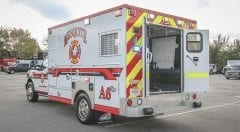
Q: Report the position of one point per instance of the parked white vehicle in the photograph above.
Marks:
(233, 62)
(233, 72)
(125, 61)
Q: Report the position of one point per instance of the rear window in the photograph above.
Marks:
(194, 42)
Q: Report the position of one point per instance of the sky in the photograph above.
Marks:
(218, 16)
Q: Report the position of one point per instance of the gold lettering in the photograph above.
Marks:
(75, 32)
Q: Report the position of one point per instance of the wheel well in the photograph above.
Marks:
(78, 93)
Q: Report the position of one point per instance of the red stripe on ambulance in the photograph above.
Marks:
(107, 109)
(106, 72)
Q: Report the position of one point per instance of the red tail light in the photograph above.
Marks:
(194, 96)
(129, 102)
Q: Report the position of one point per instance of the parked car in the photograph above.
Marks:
(4, 63)
(20, 67)
(226, 68)
(233, 72)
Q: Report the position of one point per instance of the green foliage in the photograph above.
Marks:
(222, 49)
(4, 38)
(45, 43)
(17, 43)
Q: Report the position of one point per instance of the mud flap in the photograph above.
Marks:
(197, 104)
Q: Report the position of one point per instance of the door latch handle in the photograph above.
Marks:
(149, 57)
(195, 59)
(192, 59)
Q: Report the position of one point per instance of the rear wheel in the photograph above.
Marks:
(32, 96)
(83, 109)
(227, 77)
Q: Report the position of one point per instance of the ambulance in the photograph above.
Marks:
(124, 61)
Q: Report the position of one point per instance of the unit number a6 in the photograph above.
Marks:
(105, 93)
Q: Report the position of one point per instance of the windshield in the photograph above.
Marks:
(235, 67)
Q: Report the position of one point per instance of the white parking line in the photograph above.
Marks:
(177, 114)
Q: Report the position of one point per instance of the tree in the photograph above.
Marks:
(217, 48)
(45, 43)
(4, 37)
(17, 43)
(234, 50)
(222, 49)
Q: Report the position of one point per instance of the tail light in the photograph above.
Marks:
(194, 96)
(129, 102)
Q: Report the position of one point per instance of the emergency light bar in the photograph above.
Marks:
(179, 23)
(118, 13)
(86, 21)
(132, 12)
(192, 25)
(151, 16)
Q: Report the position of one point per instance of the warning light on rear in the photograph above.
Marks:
(151, 16)
(136, 48)
(118, 13)
(86, 21)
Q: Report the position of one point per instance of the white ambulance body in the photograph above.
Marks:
(126, 61)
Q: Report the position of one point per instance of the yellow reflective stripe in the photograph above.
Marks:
(172, 22)
(134, 72)
(137, 23)
(157, 20)
(127, 15)
(197, 75)
(147, 75)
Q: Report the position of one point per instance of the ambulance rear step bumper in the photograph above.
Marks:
(157, 110)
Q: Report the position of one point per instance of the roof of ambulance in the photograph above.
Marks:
(120, 7)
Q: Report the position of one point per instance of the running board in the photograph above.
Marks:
(164, 92)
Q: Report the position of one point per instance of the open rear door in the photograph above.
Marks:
(146, 55)
(195, 60)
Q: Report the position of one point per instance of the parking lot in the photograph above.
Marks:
(220, 112)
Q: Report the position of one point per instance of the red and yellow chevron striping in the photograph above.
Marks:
(134, 62)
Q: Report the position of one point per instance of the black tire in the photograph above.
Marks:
(227, 77)
(12, 71)
(32, 96)
(83, 109)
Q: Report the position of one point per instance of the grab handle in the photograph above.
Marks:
(192, 60)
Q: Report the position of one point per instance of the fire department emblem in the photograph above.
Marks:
(74, 38)
(74, 51)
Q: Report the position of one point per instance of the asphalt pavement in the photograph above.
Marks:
(220, 112)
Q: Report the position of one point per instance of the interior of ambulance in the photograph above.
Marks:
(165, 67)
